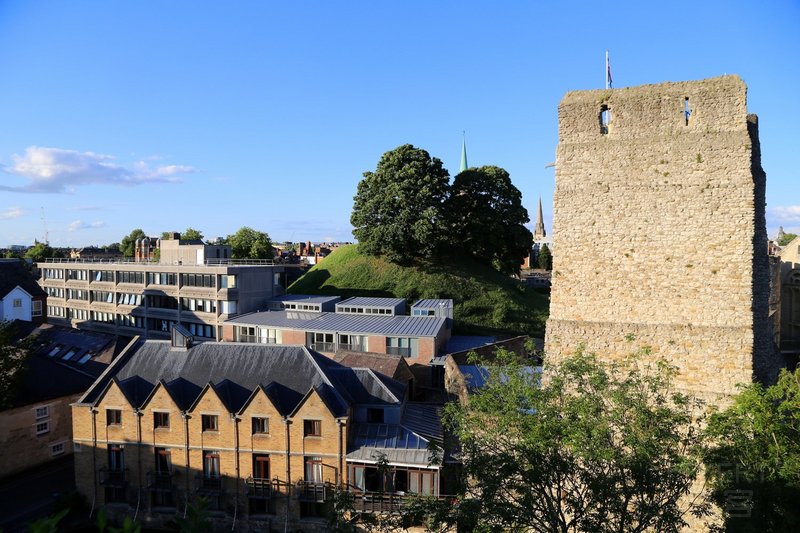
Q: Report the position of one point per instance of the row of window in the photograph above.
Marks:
(259, 424)
(226, 281)
(365, 310)
(55, 292)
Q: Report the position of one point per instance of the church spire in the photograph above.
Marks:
(463, 166)
(538, 231)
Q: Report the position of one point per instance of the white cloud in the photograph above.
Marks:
(789, 214)
(11, 213)
(79, 224)
(56, 170)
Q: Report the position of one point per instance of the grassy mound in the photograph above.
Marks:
(486, 302)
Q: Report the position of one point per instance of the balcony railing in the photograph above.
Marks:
(352, 347)
(113, 477)
(311, 491)
(256, 339)
(131, 260)
(394, 350)
(209, 484)
(264, 488)
(329, 347)
(384, 502)
(159, 480)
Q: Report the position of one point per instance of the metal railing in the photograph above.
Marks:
(394, 350)
(256, 339)
(324, 347)
(352, 347)
(131, 260)
(265, 488)
(113, 477)
(312, 491)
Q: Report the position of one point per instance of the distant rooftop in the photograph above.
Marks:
(344, 323)
(306, 298)
(432, 303)
(371, 301)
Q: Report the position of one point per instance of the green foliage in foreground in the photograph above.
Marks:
(597, 447)
(486, 301)
(754, 462)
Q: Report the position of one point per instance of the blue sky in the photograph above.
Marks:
(165, 115)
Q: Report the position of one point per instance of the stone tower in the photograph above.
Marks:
(660, 198)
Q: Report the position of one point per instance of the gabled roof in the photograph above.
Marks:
(287, 374)
(385, 364)
(13, 274)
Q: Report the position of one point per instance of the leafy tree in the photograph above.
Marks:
(13, 356)
(595, 447)
(786, 239)
(39, 252)
(197, 519)
(191, 234)
(248, 243)
(545, 259)
(487, 217)
(753, 464)
(398, 208)
(128, 242)
(166, 235)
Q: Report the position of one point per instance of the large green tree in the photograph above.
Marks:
(594, 447)
(487, 218)
(39, 252)
(786, 239)
(753, 464)
(248, 243)
(398, 209)
(191, 234)
(128, 242)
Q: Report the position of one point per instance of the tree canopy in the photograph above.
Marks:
(191, 234)
(248, 243)
(128, 242)
(753, 463)
(398, 209)
(486, 218)
(596, 447)
(786, 239)
(40, 251)
(545, 258)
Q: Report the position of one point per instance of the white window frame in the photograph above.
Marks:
(36, 308)
(17, 302)
(62, 446)
(45, 412)
(45, 427)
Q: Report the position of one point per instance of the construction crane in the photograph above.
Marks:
(44, 224)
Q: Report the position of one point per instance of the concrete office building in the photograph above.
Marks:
(194, 284)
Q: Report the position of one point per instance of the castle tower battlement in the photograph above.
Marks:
(659, 220)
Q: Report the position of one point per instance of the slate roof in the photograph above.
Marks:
(432, 303)
(382, 363)
(394, 441)
(412, 326)
(235, 370)
(46, 376)
(13, 273)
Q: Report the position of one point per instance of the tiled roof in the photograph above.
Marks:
(385, 364)
(412, 326)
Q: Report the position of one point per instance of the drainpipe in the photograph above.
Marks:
(286, 421)
(341, 424)
(238, 474)
(185, 417)
(93, 410)
(138, 413)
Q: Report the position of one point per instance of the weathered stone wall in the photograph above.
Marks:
(661, 234)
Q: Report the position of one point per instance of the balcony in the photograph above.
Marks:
(329, 347)
(311, 491)
(209, 484)
(352, 347)
(402, 352)
(113, 477)
(264, 488)
(159, 480)
(384, 502)
(256, 339)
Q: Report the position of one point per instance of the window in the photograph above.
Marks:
(113, 417)
(312, 428)
(57, 348)
(197, 280)
(130, 277)
(160, 420)
(228, 307)
(200, 330)
(42, 412)
(163, 460)
(43, 427)
(37, 308)
(403, 346)
(211, 464)
(313, 469)
(17, 302)
(57, 449)
(374, 415)
(103, 275)
(260, 425)
(162, 302)
(210, 422)
(116, 458)
(227, 282)
(161, 278)
(260, 466)
(103, 297)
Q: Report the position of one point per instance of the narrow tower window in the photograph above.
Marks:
(605, 118)
(686, 111)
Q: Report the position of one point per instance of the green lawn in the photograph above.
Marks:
(486, 302)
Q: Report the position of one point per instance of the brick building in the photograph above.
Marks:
(264, 432)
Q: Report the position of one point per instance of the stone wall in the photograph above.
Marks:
(660, 227)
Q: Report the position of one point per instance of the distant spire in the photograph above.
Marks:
(538, 231)
(463, 166)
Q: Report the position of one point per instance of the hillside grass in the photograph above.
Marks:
(486, 301)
